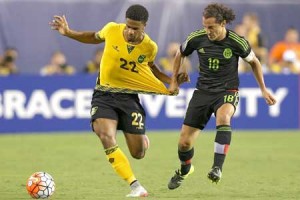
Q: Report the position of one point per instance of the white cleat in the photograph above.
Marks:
(139, 191)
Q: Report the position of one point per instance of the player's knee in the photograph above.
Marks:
(138, 154)
(105, 138)
(184, 145)
(223, 119)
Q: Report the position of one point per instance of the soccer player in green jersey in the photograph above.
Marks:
(218, 50)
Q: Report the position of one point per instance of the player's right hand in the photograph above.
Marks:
(60, 24)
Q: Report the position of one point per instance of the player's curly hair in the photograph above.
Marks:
(220, 12)
(138, 13)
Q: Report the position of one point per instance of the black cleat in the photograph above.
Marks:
(177, 179)
(215, 174)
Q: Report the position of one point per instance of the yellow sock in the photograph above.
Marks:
(120, 163)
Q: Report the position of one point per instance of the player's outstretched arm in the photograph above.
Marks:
(159, 74)
(176, 76)
(181, 77)
(257, 71)
(60, 24)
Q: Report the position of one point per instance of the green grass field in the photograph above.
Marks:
(260, 165)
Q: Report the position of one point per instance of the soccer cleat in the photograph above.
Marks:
(215, 174)
(139, 191)
(177, 179)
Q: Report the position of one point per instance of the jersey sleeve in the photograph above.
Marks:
(245, 50)
(191, 42)
(242, 45)
(186, 48)
(101, 34)
(154, 52)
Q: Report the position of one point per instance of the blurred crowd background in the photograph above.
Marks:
(29, 46)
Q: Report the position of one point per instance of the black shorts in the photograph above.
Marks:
(204, 103)
(124, 108)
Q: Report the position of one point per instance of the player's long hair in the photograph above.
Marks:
(220, 12)
(138, 13)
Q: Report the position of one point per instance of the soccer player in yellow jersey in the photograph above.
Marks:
(127, 68)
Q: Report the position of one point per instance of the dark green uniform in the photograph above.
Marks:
(218, 80)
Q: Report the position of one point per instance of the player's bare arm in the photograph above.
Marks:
(159, 74)
(176, 67)
(183, 75)
(257, 70)
(60, 24)
(181, 78)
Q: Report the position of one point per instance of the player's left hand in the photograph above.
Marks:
(182, 78)
(270, 100)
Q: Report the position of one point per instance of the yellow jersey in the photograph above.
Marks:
(124, 66)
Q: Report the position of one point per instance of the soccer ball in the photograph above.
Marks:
(40, 185)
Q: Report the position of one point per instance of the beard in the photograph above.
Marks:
(211, 37)
(131, 38)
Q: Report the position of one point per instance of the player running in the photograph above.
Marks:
(218, 49)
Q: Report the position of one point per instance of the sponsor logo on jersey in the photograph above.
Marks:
(201, 50)
(116, 48)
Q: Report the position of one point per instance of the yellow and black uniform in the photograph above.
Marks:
(124, 67)
(124, 72)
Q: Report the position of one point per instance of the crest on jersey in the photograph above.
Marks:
(130, 48)
(94, 110)
(141, 58)
(227, 53)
